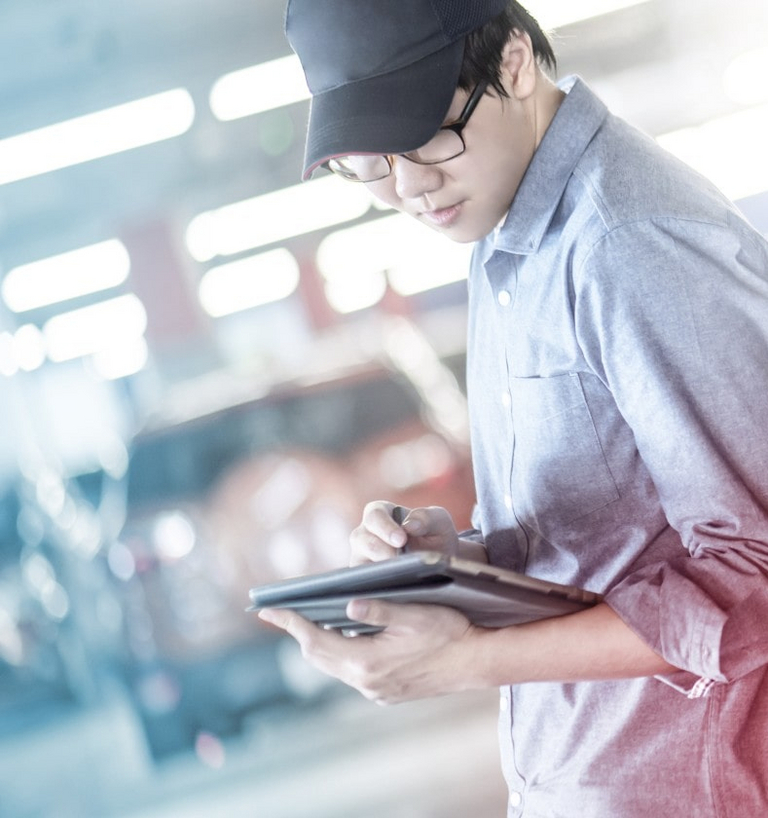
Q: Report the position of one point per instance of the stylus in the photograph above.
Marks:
(398, 515)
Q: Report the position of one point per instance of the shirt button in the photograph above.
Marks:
(506, 400)
(504, 298)
(515, 799)
(504, 704)
(508, 501)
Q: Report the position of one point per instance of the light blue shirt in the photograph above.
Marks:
(618, 387)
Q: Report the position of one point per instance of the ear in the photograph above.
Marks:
(519, 69)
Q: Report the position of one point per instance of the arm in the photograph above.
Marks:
(430, 651)
(682, 345)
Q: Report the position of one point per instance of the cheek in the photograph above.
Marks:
(502, 178)
(384, 191)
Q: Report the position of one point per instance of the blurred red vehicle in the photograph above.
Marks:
(250, 494)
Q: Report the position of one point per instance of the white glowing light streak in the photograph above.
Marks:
(95, 328)
(744, 79)
(414, 259)
(113, 130)
(552, 14)
(249, 282)
(275, 216)
(258, 88)
(121, 360)
(730, 151)
(65, 276)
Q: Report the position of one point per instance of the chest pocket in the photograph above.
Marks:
(559, 471)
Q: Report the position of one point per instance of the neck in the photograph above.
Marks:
(546, 103)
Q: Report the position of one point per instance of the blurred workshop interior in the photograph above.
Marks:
(207, 367)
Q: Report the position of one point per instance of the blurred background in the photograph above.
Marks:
(208, 367)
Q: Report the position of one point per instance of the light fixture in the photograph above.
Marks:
(65, 276)
(113, 130)
(744, 80)
(351, 292)
(258, 88)
(275, 216)
(121, 360)
(249, 282)
(29, 347)
(552, 14)
(740, 169)
(414, 259)
(95, 328)
(23, 349)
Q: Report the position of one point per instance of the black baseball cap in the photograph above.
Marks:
(382, 72)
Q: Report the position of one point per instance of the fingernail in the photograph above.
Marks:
(414, 526)
(398, 538)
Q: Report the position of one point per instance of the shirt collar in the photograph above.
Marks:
(578, 118)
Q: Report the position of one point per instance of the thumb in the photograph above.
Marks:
(432, 528)
(371, 612)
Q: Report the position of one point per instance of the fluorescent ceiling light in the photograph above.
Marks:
(249, 282)
(122, 360)
(65, 276)
(744, 79)
(25, 350)
(351, 293)
(92, 136)
(95, 328)
(275, 216)
(730, 151)
(415, 259)
(259, 88)
(553, 14)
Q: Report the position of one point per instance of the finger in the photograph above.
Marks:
(372, 612)
(296, 626)
(381, 614)
(367, 547)
(383, 520)
(379, 536)
(431, 528)
(428, 521)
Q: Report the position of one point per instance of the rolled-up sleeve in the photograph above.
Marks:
(672, 315)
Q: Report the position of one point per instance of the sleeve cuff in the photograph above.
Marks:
(689, 684)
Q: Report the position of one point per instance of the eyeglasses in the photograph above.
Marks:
(447, 143)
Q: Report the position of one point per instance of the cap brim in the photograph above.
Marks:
(392, 113)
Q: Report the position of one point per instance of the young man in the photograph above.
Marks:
(618, 393)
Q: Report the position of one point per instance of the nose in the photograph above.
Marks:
(413, 180)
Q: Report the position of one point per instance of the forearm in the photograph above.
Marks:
(591, 645)
(429, 650)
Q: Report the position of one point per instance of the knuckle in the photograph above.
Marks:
(308, 645)
(374, 547)
(366, 675)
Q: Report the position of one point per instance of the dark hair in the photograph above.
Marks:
(484, 46)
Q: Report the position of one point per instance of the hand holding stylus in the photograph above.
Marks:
(388, 529)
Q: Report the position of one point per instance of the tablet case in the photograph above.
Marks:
(488, 596)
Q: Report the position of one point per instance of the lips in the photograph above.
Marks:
(442, 217)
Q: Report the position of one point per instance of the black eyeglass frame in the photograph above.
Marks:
(457, 127)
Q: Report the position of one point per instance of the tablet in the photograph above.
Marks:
(488, 596)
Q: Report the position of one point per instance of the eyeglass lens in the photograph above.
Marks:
(446, 144)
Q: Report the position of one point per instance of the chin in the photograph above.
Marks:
(467, 235)
(460, 233)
